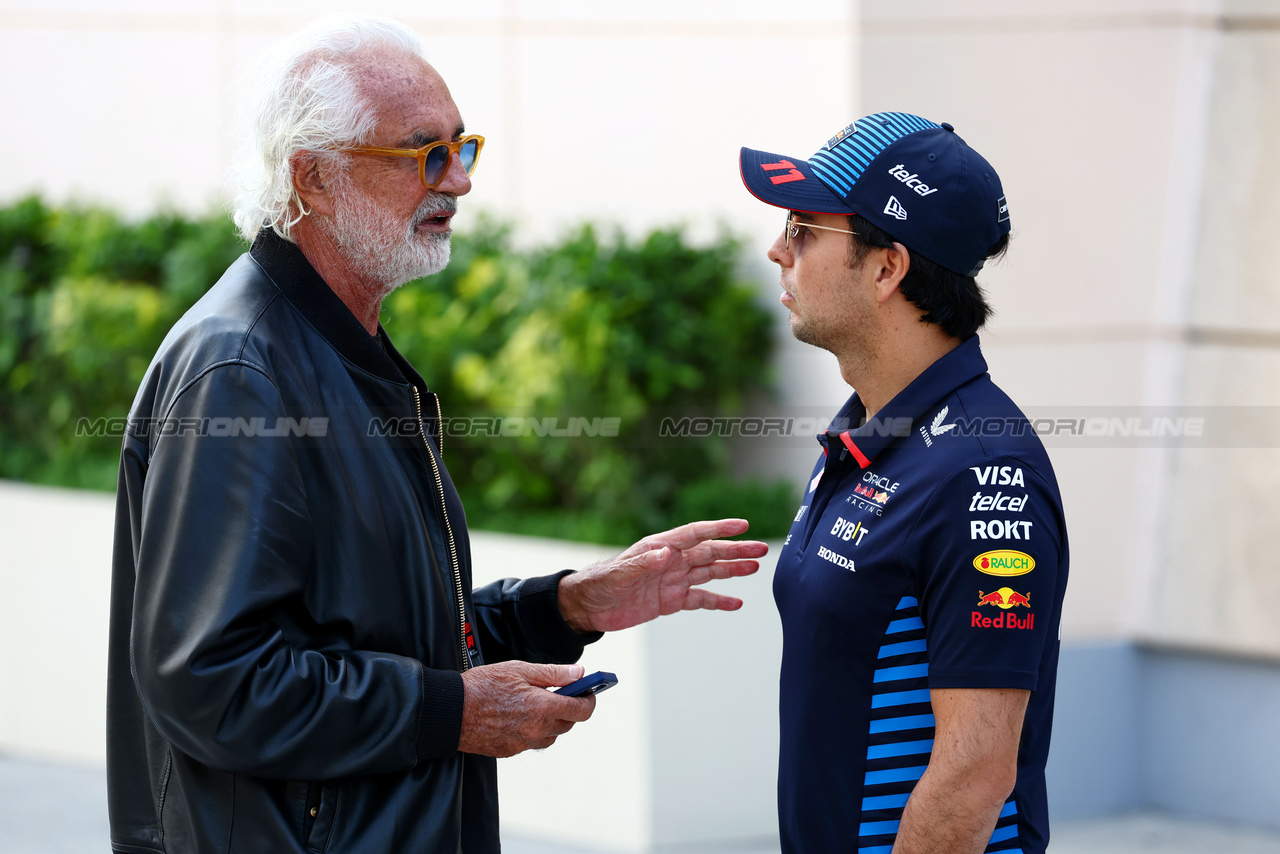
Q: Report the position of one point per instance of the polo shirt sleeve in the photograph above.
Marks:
(989, 543)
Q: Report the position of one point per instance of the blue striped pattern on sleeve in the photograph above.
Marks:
(901, 736)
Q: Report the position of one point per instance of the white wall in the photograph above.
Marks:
(627, 113)
(1133, 140)
(683, 750)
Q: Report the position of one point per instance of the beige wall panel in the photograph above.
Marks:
(297, 12)
(1067, 369)
(118, 117)
(1220, 585)
(1238, 279)
(1236, 377)
(1070, 160)
(150, 8)
(1106, 491)
(664, 146)
(1024, 14)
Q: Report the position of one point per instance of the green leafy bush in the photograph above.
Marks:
(574, 333)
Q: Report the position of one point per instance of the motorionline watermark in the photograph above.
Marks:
(1092, 427)
(1053, 426)
(487, 426)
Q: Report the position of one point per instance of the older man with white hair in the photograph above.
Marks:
(297, 660)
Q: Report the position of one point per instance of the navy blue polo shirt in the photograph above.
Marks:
(930, 551)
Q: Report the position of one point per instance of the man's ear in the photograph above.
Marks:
(895, 262)
(312, 181)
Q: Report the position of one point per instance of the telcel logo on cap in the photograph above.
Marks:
(912, 180)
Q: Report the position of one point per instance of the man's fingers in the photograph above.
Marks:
(705, 600)
(688, 536)
(575, 711)
(722, 569)
(724, 550)
(736, 557)
(552, 675)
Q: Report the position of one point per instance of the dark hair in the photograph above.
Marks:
(952, 301)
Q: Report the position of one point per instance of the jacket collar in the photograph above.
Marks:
(865, 442)
(289, 269)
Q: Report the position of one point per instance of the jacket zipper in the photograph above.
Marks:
(448, 529)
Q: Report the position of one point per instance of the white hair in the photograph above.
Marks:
(305, 98)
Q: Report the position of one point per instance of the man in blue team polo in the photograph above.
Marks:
(921, 584)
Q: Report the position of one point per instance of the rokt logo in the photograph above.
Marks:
(895, 209)
(1004, 598)
(1004, 562)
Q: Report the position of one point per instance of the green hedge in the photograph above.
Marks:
(586, 328)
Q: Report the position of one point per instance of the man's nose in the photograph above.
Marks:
(779, 253)
(456, 180)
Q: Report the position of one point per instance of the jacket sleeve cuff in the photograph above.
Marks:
(540, 611)
(440, 721)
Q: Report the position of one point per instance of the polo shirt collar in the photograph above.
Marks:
(896, 420)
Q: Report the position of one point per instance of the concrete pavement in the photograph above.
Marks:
(53, 808)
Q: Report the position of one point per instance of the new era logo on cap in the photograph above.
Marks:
(895, 209)
(1002, 210)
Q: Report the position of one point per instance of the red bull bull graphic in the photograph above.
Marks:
(1004, 562)
(1004, 598)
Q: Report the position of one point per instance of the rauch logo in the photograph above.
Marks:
(1004, 562)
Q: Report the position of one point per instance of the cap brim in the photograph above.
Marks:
(787, 182)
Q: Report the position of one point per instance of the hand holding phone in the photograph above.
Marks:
(592, 683)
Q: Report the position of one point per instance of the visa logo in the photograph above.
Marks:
(1002, 475)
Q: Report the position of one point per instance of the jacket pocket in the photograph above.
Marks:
(321, 808)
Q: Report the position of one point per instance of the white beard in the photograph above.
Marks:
(382, 249)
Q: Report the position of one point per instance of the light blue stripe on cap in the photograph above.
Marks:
(892, 649)
(901, 748)
(894, 775)
(899, 724)
(907, 671)
(900, 698)
(842, 165)
(834, 180)
(885, 802)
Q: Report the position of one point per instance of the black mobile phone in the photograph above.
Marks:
(592, 683)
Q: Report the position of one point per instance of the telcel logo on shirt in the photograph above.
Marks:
(1005, 562)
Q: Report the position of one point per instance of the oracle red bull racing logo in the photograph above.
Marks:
(1004, 562)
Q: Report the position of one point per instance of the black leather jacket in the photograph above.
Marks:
(291, 600)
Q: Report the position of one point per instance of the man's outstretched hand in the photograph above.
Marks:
(659, 575)
(507, 709)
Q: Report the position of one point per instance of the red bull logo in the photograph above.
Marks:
(1004, 598)
(876, 495)
(1010, 620)
(1004, 562)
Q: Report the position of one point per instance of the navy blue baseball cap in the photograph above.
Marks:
(917, 180)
